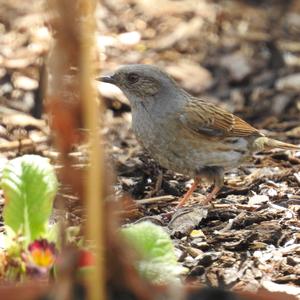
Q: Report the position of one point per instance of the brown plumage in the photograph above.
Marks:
(201, 116)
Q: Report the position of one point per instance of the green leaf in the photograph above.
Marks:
(29, 184)
(158, 260)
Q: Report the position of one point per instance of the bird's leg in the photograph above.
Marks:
(188, 194)
(211, 195)
(216, 174)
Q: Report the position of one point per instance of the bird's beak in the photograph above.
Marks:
(107, 79)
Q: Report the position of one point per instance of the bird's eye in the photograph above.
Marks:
(132, 78)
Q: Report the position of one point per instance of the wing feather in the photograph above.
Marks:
(206, 118)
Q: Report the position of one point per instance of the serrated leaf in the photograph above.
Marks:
(29, 184)
(158, 260)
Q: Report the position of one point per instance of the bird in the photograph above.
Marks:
(186, 134)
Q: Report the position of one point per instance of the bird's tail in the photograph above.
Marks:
(265, 143)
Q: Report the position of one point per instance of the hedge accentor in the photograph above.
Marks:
(186, 134)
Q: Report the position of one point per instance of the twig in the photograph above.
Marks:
(71, 103)
(94, 194)
(152, 200)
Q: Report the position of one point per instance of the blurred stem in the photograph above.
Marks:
(94, 196)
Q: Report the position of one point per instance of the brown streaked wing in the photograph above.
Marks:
(206, 118)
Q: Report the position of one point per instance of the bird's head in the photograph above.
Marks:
(140, 82)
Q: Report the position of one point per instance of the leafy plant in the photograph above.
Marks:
(29, 184)
(158, 261)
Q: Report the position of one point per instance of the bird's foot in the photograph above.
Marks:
(211, 196)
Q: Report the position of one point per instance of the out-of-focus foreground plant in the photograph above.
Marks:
(29, 184)
(157, 261)
(29, 245)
